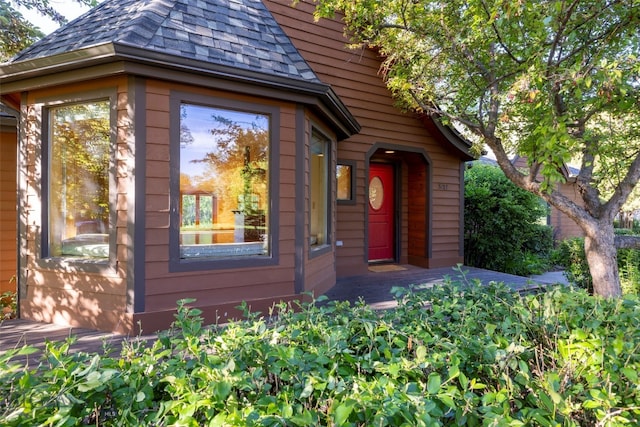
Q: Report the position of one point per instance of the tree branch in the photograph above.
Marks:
(623, 189)
(627, 242)
(589, 193)
(499, 36)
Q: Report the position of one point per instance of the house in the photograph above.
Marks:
(563, 226)
(222, 150)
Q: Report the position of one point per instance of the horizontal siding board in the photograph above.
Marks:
(217, 286)
(228, 295)
(358, 84)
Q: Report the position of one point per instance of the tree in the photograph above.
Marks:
(17, 32)
(548, 80)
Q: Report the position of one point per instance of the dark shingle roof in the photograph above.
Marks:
(236, 33)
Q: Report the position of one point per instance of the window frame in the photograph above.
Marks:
(351, 164)
(178, 264)
(327, 246)
(45, 259)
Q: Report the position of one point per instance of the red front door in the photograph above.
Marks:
(381, 212)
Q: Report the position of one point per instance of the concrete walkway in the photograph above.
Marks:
(374, 288)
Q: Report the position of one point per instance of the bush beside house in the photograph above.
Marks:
(503, 228)
(458, 354)
(570, 255)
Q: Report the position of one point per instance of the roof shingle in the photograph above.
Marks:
(237, 33)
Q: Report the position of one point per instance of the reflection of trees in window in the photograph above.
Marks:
(241, 152)
(79, 173)
(228, 154)
(343, 182)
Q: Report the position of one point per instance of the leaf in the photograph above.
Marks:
(454, 372)
(591, 404)
(92, 382)
(308, 389)
(447, 400)
(342, 412)
(27, 350)
(632, 374)
(463, 380)
(433, 383)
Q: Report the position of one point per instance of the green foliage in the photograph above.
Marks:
(570, 254)
(629, 267)
(8, 305)
(457, 354)
(17, 32)
(502, 224)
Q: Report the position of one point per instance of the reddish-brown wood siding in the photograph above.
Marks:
(221, 287)
(67, 294)
(319, 270)
(354, 75)
(563, 226)
(8, 210)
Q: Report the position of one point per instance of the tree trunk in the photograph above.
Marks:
(601, 253)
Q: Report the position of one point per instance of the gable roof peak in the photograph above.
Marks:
(236, 33)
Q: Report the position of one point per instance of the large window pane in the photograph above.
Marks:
(79, 156)
(224, 182)
(319, 188)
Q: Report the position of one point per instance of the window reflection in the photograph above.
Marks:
(343, 182)
(79, 153)
(319, 170)
(224, 182)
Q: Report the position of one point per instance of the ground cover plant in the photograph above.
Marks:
(457, 354)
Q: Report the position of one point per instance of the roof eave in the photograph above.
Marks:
(15, 76)
(451, 135)
(29, 68)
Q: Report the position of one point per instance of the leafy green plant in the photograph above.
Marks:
(455, 354)
(629, 267)
(8, 305)
(570, 254)
(502, 224)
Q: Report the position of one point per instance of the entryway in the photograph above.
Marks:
(381, 212)
(398, 206)
(8, 203)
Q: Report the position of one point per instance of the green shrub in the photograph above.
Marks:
(623, 231)
(457, 354)
(629, 268)
(503, 229)
(570, 254)
(8, 305)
